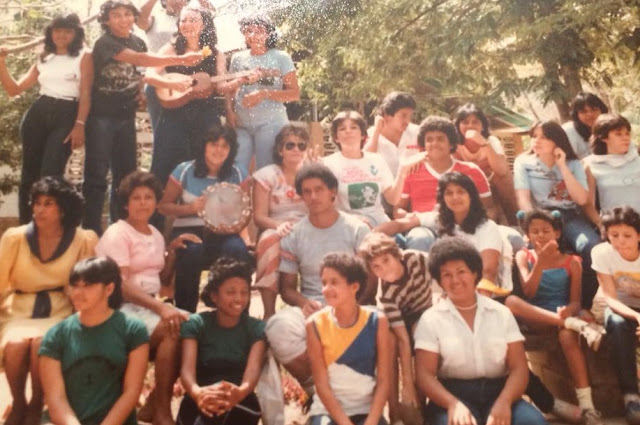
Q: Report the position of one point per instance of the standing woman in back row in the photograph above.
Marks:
(259, 111)
(54, 124)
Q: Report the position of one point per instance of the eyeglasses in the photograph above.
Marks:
(290, 145)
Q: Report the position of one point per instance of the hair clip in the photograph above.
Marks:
(520, 215)
(556, 214)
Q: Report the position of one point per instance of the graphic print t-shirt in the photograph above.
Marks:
(116, 83)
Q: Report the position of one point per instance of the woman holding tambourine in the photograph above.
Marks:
(185, 197)
(54, 124)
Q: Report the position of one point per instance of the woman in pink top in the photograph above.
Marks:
(139, 250)
(276, 206)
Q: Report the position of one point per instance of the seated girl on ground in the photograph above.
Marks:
(222, 352)
(617, 264)
(551, 281)
(93, 363)
(347, 346)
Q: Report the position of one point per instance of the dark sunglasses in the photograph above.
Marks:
(290, 145)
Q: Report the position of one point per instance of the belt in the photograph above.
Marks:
(56, 289)
(59, 99)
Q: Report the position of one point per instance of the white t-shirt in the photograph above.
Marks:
(626, 274)
(467, 353)
(361, 183)
(392, 153)
(487, 236)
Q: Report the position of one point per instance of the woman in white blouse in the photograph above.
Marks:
(470, 359)
(54, 123)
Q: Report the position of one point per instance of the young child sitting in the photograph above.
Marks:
(617, 264)
(551, 281)
(93, 363)
(347, 345)
(222, 352)
(406, 293)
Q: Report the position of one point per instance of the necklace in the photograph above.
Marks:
(471, 307)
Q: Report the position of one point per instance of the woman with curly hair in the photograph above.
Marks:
(54, 124)
(179, 129)
(35, 262)
(222, 352)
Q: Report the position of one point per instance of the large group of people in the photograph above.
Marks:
(407, 259)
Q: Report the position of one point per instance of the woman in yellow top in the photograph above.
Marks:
(35, 262)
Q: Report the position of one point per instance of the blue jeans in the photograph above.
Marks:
(479, 395)
(420, 238)
(260, 139)
(111, 143)
(621, 335)
(153, 106)
(357, 420)
(196, 257)
(43, 129)
(581, 236)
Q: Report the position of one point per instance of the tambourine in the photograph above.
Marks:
(227, 209)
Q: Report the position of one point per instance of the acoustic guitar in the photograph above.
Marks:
(201, 85)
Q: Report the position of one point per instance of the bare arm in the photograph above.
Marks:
(578, 194)
(530, 278)
(131, 387)
(427, 380)
(251, 373)
(77, 134)
(399, 225)
(490, 264)
(55, 394)
(402, 207)
(169, 205)
(321, 378)
(157, 59)
(372, 144)
(590, 207)
(290, 294)
(383, 372)
(497, 162)
(261, 217)
(11, 86)
(523, 197)
(145, 20)
(514, 387)
(609, 288)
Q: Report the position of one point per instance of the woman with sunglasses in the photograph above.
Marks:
(276, 206)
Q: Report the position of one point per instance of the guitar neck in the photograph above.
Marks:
(227, 77)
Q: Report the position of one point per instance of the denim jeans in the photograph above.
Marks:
(479, 395)
(260, 139)
(190, 261)
(420, 238)
(111, 143)
(153, 106)
(621, 335)
(43, 129)
(581, 236)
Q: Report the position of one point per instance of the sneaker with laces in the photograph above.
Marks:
(591, 417)
(632, 412)
(566, 411)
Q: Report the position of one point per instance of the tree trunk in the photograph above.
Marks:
(573, 84)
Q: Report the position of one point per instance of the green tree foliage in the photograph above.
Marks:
(494, 50)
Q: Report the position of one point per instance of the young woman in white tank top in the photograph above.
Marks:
(54, 124)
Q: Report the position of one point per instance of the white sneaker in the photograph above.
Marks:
(566, 411)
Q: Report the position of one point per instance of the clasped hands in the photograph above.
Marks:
(216, 399)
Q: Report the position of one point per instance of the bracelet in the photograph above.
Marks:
(80, 122)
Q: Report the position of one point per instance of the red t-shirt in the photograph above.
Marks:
(422, 186)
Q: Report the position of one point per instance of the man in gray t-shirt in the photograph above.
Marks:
(324, 230)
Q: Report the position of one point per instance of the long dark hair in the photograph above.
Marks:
(214, 134)
(208, 36)
(581, 101)
(470, 109)
(70, 21)
(554, 132)
(477, 214)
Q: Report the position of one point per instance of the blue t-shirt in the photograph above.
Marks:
(548, 188)
(193, 187)
(278, 63)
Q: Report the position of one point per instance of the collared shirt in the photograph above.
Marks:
(467, 353)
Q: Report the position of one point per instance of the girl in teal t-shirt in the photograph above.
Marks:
(93, 363)
(222, 352)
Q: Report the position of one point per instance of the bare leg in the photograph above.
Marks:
(16, 367)
(166, 373)
(34, 409)
(394, 402)
(575, 357)
(530, 313)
